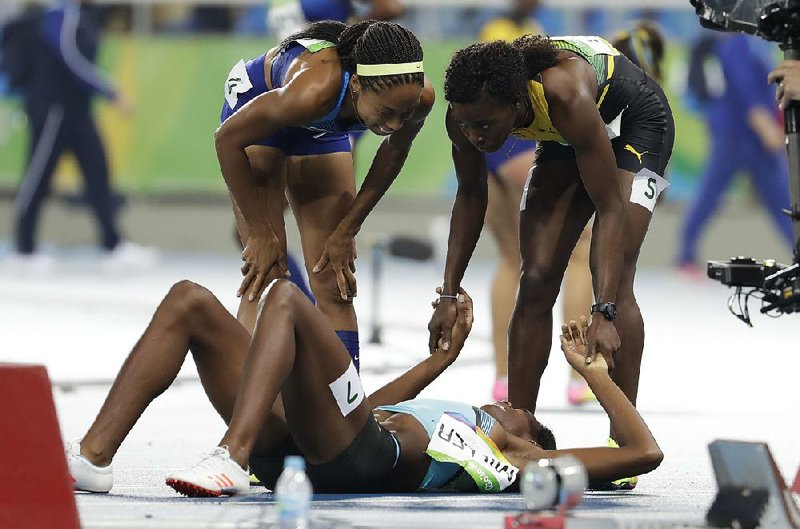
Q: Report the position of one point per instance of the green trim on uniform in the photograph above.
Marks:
(595, 50)
(315, 45)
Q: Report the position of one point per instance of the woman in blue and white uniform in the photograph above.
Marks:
(286, 119)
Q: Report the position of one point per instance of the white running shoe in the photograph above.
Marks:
(128, 255)
(87, 476)
(215, 475)
(31, 264)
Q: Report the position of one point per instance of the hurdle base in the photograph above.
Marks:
(527, 520)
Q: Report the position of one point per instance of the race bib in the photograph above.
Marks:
(456, 440)
(238, 82)
(646, 187)
(347, 390)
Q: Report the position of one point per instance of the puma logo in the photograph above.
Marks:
(635, 152)
(350, 399)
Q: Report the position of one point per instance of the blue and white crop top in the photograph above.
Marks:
(281, 64)
(428, 412)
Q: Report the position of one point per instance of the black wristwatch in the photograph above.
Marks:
(608, 310)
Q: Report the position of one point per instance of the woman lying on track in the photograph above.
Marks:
(292, 388)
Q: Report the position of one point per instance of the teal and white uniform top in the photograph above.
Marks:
(429, 413)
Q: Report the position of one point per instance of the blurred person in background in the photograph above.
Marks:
(605, 133)
(726, 77)
(787, 75)
(49, 56)
(644, 45)
(286, 119)
(508, 169)
(288, 16)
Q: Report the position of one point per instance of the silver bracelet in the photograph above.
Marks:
(448, 296)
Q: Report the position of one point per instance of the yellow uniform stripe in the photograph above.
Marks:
(610, 70)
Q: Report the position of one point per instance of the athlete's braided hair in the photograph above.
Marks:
(368, 42)
(497, 69)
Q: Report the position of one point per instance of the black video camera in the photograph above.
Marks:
(743, 271)
(778, 21)
(777, 285)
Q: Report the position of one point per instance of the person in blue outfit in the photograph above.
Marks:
(288, 16)
(286, 119)
(52, 54)
(744, 133)
(292, 388)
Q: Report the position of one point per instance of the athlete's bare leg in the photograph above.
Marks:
(294, 352)
(321, 191)
(189, 319)
(557, 209)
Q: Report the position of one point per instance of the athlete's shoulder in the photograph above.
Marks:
(318, 75)
(569, 78)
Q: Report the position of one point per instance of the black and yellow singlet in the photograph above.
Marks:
(602, 57)
(632, 105)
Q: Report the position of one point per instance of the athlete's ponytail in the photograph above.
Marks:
(370, 42)
(329, 30)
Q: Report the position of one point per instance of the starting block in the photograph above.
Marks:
(752, 492)
(36, 489)
(752, 495)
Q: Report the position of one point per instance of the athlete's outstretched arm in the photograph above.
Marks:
(570, 90)
(638, 453)
(466, 223)
(312, 89)
(388, 161)
(409, 384)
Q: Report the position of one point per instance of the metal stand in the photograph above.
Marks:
(403, 247)
(378, 254)
(792, 125)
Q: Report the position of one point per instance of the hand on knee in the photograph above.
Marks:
(326, 288)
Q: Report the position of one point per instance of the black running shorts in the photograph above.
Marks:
(362, 467)
(647, 131)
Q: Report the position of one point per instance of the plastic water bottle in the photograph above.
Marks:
(293, 493)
